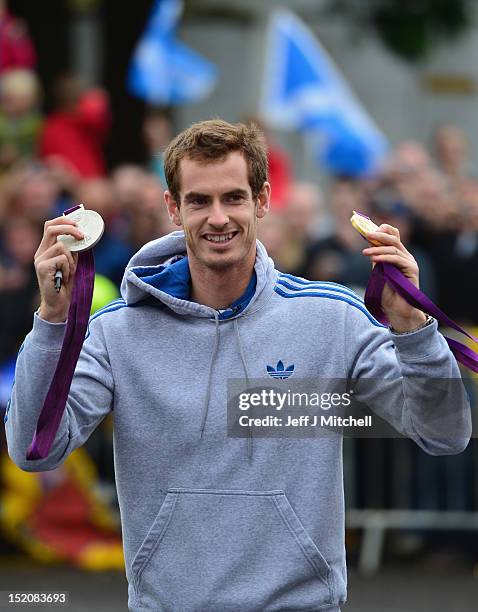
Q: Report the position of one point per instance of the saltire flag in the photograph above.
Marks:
(164, 71)
(304, 91)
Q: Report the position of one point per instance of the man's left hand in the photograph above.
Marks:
(402, 316)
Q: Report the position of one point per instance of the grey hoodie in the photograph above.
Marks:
(214, 523)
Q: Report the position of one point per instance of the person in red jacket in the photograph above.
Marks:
(16, 48)
(74, 134)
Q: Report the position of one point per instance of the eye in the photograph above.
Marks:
(199, 201)
(234, 197)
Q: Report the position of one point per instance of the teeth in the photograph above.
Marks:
(223, 238)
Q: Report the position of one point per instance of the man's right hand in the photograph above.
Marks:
(50, 257)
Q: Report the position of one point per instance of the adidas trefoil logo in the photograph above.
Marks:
(279, 371)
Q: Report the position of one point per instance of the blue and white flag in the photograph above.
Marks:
(164, 71)
(304, 91)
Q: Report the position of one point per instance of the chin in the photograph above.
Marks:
(229, 259)
(221, 263)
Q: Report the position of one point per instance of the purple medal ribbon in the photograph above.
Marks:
(77, 324)
(387, 273)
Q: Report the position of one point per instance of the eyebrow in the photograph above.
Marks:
(241, 192)
(193, 195)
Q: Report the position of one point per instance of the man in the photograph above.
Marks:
(212, 522)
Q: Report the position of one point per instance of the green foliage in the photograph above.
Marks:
(409, 28)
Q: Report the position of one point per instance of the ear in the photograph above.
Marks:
(173, 208)
(263, 201)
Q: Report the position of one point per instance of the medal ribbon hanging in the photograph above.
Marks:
(384, 272)
(76, 327)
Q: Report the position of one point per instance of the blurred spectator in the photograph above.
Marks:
(456, 253)
(127, 182)
(148, 216)
(405, 169)
(19, 240)
(443, 221)
(74, 134)
(305, 211)
(437, 213)
(20, 120)
(303, 214)
(434, 201)
(97, 194)
(157, 132)
(272, 232)
(34, 193)
(452, 152)
(386, 206)
(16, 49)
(410, 156)
(338, 257)
(113, 252)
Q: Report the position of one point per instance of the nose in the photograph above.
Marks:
(217, 215)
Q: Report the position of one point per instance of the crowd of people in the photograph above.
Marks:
(432, 197)
(429, 194)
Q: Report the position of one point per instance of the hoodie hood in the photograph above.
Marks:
(154, 272)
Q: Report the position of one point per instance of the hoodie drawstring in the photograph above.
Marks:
(243, 360)
(208, 391)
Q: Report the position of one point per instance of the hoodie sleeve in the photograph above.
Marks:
(89, 400)
(415, 383)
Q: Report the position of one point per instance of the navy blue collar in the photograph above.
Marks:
(239, 305)
(175, 280)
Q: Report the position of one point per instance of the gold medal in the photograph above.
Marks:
(364, 225)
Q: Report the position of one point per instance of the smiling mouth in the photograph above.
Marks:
(220, 238)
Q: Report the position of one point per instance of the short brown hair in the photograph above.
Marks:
(212, 140)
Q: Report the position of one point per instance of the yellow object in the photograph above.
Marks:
(23, 497)
(104, 292)
(364, 226)
(100, 556)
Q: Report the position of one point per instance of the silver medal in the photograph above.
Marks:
(92, 226)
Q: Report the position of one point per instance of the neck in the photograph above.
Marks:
(220, 288)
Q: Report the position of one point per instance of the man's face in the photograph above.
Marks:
(217, 211)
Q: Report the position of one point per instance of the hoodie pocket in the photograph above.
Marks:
(224, 550)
